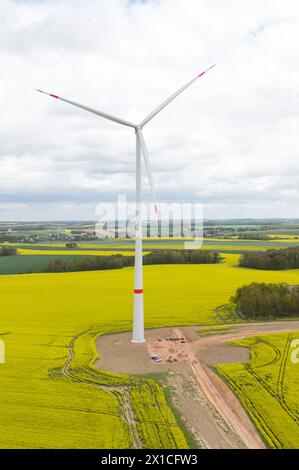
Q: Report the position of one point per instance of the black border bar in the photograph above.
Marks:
(130, 458)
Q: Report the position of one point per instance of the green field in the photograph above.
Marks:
(30, 263)
(51, 396)
(268, 387)
(35, 257)
(230, 245)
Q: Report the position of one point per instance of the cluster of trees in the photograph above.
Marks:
(287, 258)
(256, 236)
(182, 257)
(93, 263)
(118, 261)
(7, 237)
(8, 250)
(266, 301)
(71, 245)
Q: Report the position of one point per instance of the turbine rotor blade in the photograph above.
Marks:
(91, 110)
(147, 168)
(171, 98)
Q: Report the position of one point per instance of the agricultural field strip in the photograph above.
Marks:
(123, 397)
(117, 245)
(83, 252)
(72, 301)
(276, 392)
(147, 428)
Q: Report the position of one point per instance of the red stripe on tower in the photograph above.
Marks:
(138, 291)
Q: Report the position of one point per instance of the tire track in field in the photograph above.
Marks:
(264, 384)
(255, 329)
(219, 317)
(276, 352)
(222, 398)
(256, 415)
(281, 376)
(249, 405)
(279, 394)
(168, 424)
(120, 392)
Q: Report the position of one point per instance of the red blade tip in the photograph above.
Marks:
(49, 94)
(202, 73)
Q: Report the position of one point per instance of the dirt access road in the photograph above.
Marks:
(210, 410)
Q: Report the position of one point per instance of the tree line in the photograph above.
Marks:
(181, 257)
(259, 301)
(8, 250)
(250, 236)
(94, 263)
(285, 258)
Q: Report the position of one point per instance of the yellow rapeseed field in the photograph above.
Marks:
(50, 395)
(268, 387)
(81, 252)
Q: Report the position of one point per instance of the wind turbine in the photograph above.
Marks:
(138, 318)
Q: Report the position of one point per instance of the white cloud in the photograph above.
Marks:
(230, 141)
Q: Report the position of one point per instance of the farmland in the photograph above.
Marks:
(229, 245)
(268, 387)
(51, 393)
(35, 260)
(33, 257)
(49, 322)
(53, 397)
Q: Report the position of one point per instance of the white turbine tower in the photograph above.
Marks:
(138, 319)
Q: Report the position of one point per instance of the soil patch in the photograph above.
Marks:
(224, 354)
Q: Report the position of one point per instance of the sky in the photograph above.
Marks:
(229, 142)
